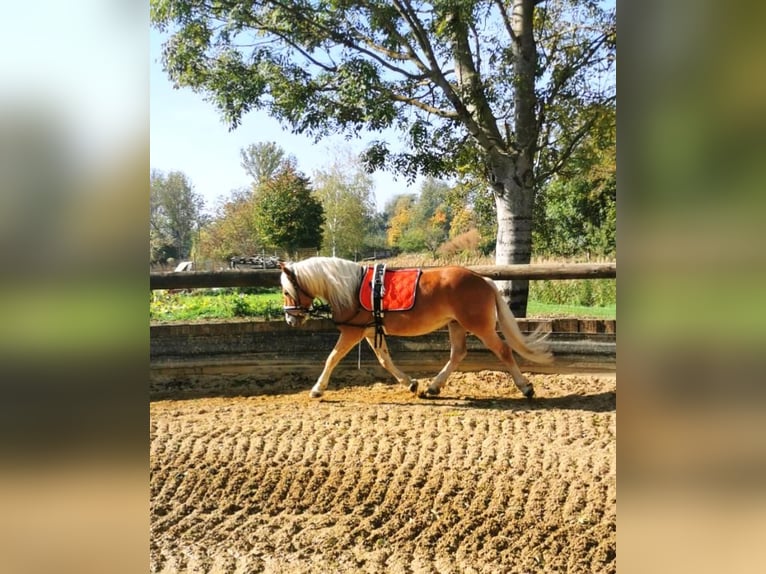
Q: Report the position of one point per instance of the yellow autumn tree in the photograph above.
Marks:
(402, 216)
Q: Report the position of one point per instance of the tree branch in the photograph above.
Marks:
(506, 20)
(584, 60)
(286, 39)
(423, 106)
(362, 44)
(405, 9)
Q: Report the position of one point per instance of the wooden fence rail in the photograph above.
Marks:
(270, 277)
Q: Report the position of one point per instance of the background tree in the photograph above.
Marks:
(399, 214)
(345, 191)
(420, 222)
(473, 207)
(175, 215)
(492, 76)
(424, 222)
(262, 160)
(432, 213)
(286, 214)
(375, 241)
(232, 230)
(576, 210)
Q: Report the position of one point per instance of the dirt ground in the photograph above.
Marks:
(371, 479)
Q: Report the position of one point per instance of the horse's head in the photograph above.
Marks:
(297, 303)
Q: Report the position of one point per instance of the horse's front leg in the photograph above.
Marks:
(384, 358)
(348, 338)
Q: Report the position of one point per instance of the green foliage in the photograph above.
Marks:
(174, 217)
(575, 221)
(575, 212)
(375, 236)
(215, 304)
(351, 66)
(266, 303)
(412, 240)
(345, 191)
(420, 222)
(262, 160)
(582, 292)
(231, 231)
(286, 213)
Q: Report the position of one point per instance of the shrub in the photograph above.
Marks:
(467, 242)
(240, 307)
(585, 292)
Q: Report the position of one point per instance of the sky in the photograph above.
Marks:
(188, 135)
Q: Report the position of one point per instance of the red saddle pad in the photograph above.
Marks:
(399, 287)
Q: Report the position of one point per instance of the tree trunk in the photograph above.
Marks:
(512, 169)
(514, 203)
(510, 157)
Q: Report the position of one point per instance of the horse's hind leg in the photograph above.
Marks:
(348, 338)
(503, 352)
(458, 351)
(384, 358)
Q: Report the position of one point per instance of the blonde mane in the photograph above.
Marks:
(336, 281)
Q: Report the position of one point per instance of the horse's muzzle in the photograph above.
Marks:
(295, 319)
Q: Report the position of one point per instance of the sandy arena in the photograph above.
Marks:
(257, 477)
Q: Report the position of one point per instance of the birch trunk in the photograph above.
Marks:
(513, 172)
(510, 156)
(514, 206)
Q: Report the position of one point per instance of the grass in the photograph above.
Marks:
(537, 309)
(215, 304)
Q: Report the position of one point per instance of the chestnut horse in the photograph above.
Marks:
(453, 296)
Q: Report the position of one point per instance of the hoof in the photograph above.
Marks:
(530, 393)
(413, 387)
(433, 392)
(315, 394)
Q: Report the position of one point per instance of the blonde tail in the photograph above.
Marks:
(533, 347)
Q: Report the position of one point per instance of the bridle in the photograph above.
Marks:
(298, 309)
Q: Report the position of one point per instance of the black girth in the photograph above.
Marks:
(378, 290)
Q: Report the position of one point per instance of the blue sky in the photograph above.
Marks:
(188, 135)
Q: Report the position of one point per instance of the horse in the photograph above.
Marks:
(454, 296)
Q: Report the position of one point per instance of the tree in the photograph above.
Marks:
(462, 79)
(262, 160)
(432, 214)
(400, 209)
(175, 215)
(576, 211)
(422, 222)
(232, 230)
(375, 240)
(286, 213)
(473, 206)
(345, 191)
